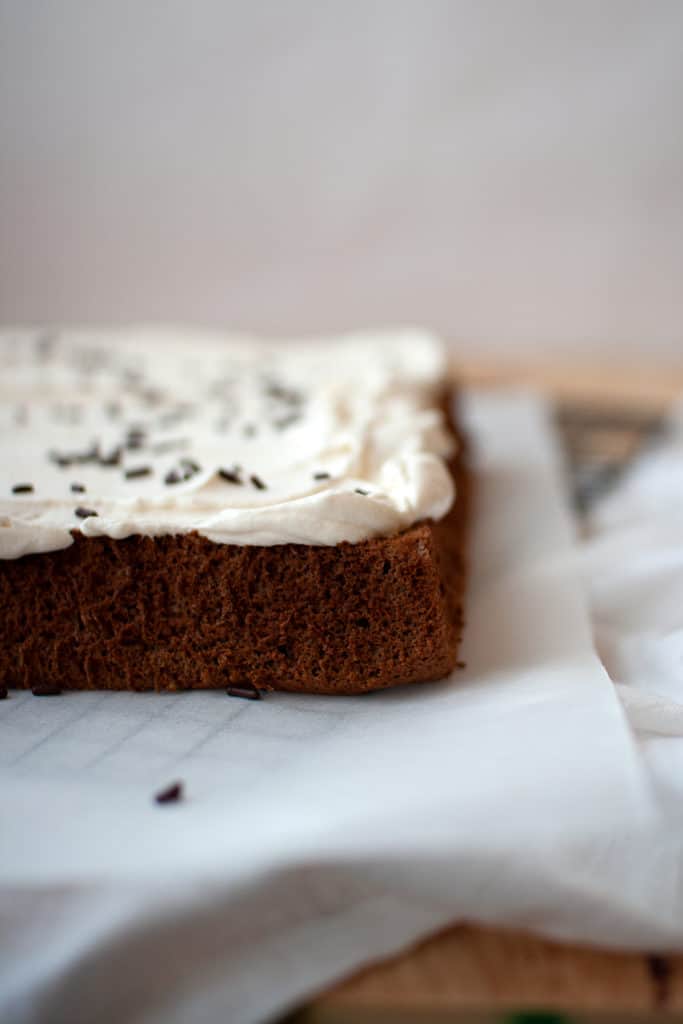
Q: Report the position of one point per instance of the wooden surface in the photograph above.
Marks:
(473, 974)
(639, 389)
(470, 973)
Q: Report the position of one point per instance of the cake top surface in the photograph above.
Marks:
(155, 431)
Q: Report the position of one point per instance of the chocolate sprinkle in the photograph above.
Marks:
(246, 691)
(257, 482)
(170, 795)
(60, 460)
(660, 970)
(230, 475)
(135, 440)
(84, 513)
(289, 396)
(22, 489)
(78, 488)
(359, 490)
(190, 464)
(45, 691)
(287, 421)
(172, 477)
(113, 459)
(131, 474)
(321, 476)
(91, 454)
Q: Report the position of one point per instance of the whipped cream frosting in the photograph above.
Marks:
(150, 431)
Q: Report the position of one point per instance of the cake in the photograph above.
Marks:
(181, 510)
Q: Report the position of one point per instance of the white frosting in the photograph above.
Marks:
(361, 408)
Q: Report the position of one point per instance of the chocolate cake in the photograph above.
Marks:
(213, 513)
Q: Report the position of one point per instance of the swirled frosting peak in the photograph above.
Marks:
(150, 431)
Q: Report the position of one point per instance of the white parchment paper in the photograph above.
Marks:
(319, 833)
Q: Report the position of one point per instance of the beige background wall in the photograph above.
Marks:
(508, 172)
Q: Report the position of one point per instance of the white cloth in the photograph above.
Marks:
(633, 569)
(320, 833)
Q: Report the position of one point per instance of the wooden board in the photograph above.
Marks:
(597, 386)
(473, 974)
(477, 974)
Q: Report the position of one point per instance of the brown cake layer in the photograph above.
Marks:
(182, 612)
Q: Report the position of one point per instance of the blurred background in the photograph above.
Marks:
(509, 173)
